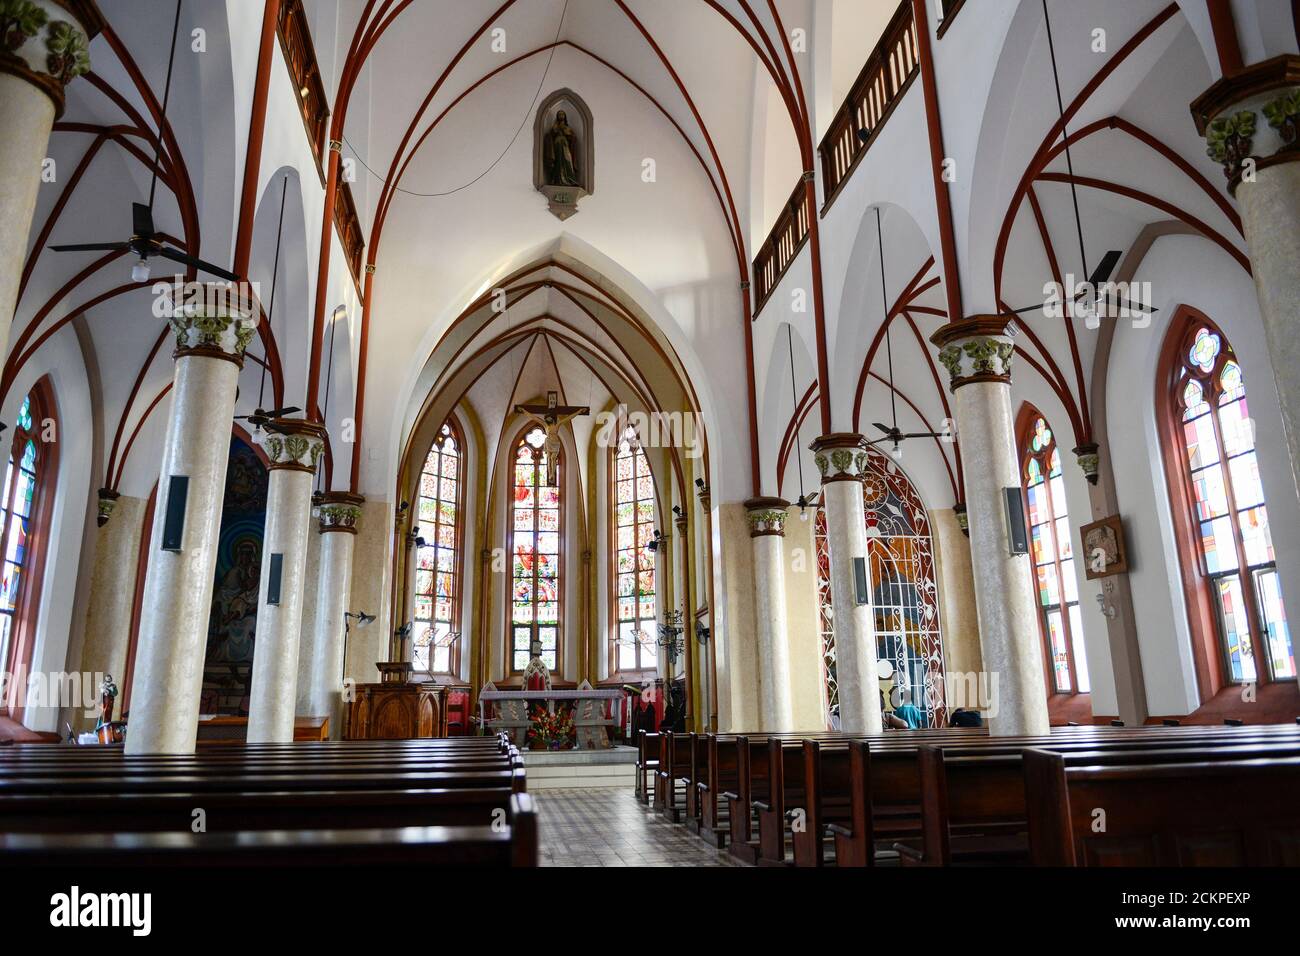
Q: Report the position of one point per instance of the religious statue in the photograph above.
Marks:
(560, 153)
(552, 417)
(107, 697)
(537, 676)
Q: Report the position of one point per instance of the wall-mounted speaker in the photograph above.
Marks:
(1017, 531)
(861, 586)
(178, 493)
(273, 578)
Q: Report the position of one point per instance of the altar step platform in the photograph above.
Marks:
(582, 769)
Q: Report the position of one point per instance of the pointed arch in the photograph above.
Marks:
(536, 540)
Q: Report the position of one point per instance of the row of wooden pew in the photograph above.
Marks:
(456, 801)
(1081, 796)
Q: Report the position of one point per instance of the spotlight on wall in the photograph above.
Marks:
(699, 483)
(677, 510)
(654, 545)
(361, 617)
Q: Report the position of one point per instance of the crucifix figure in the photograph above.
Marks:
(551, 417)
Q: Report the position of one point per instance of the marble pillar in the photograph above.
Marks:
(44, 47)
(1251, 122)
(293, 447)
(766, 518)
(211, 336)
(338, 515)
(842, 460)
(977, 353)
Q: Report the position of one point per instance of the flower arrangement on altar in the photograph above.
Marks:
(551, 731)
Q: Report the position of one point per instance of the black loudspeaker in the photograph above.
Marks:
(274, 575)
(1017, 532)
(178, 493)
(860, 583)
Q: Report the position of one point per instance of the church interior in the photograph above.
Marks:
(829, 433)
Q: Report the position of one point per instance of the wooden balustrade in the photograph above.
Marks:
(300, 55)
(782, 245)
(348, 225)
(888, 72)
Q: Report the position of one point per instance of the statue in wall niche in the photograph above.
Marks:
(563, 152)
(560, 153)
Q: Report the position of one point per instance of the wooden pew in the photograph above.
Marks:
(1196, 813)
(673, 773)
(464, 845)
(647, 764)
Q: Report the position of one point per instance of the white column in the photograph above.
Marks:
(1252, 124)
(339, 512)
(767, 532)
(977, 353)
(841, 459)
(49, 50)
(294, 448)
(210, 338)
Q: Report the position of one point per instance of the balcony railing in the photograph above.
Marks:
(348, 225)
(884, 79)
(782, 245)
(300, 54)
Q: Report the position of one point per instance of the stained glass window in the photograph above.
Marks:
(634, 563)
(18, 509)
(905, 600)
(1228, 510)
(1052, 550)
(535, 524)
(437, 568)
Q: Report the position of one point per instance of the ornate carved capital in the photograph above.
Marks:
(841, 456)
(1089, 458)
(1251, 120)
(766, 516)
(963, 519)
(338, 511)
(293, 443)
(107, 503)
(978, 349)
(210, 319)
(47, 42)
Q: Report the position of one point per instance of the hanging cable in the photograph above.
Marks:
(524, 122)
(167, 92)
(1065, 136)
(794, 398)
(889, 347)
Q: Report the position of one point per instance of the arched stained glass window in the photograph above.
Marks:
(633, 528)
(1234, 547)
(904, 596)
(437, 571)
(24, 511)
(535, 527)
(1060, 621)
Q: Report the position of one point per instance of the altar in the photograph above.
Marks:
(595, 709)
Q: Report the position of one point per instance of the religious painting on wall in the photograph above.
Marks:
(563, 152)
(904, 596)
(228, 664)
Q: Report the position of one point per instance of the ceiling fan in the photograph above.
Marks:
(145, 242)
(263, 418)
(893, 435)
(1087, 300)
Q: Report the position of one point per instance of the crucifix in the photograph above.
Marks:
(551, 417)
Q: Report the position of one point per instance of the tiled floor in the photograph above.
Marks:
(608, 827)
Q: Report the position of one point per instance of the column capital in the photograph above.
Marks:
(1252, 117)
(1089, 458)
(840, 456)
(46, 42)
(107, 503)
(210, 319)
(293, 443)
(338, 511)
(977, 349)
(766, 516)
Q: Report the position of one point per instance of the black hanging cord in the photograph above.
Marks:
(329, 374)
(275, 274)
(167, 92)
(884, 295)
(794, 396)
(1065, 136)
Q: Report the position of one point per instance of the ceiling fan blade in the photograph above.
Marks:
(1105, 268)
(1135, 306)
(177, 256)
(281, 412)
(884, 428)
(141, 220)
(1041, 306)
(923, 435)
(94, 247)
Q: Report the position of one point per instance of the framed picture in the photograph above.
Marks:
(1104, 552)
